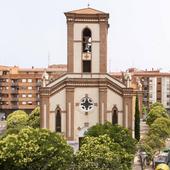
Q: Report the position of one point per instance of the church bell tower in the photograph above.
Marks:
(87, 41)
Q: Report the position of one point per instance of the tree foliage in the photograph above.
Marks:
(17, 120)
(144, 109)
(161, 128)
(118, 133)
(156, 112)
(155, 105)
(101, 153)
(137, 120)
(154, 141)
(34, 149)
(34, 118)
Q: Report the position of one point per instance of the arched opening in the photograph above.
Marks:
(114, 115)
(86, 40)
(86, 49)
(58, 120)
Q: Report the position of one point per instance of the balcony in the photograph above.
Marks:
(4, 99)
(26, 99)
(14, 84)
(5, 107)
(14, 91)
(27, 106)
(4, 91)
(14, 106)
(14, 99)
(3, 84)
(38, 83)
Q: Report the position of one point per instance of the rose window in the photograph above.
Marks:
(86, 104)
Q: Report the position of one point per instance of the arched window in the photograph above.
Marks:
(58, 120)
(114, 115)
(86, 40)
(86, 49)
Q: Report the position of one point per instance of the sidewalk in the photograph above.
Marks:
(143, 131)
(137, 165)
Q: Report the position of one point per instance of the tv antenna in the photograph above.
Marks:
(48, 58)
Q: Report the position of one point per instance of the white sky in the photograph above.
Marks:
(139, 33)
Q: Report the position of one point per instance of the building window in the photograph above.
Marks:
(29, 95)
(58, 120)
(29, 80)
(29, 88)
(86, 66)
(24, 95)
(29, 103)
(24, 103)
(24, 80)
(114, 115)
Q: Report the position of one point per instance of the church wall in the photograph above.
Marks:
(77, 58)
(52, 122)
(78, 28)
(114, 99)
(95, 57)
(58, 99)
(80, 117)
(133, 111)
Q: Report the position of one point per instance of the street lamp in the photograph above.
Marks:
(143, 156)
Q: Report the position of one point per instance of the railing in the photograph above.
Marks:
(14, 84)
(14, 99)
(14, 91)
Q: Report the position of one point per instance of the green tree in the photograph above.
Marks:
(118, 133)
(34, 118)
(144, 109)
(17, 120)
(155, 105)
(101, 153)
(144, 147)
(34, 149)
(137, 120)
(156, 112)
(160, 127)
(154, 141)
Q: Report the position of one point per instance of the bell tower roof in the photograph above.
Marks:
(90, 13)
(87, 11)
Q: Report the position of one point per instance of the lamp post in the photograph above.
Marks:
(142, 156)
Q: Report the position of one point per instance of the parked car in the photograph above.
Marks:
(162, 158)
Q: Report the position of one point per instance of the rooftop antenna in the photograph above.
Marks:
(48, 58)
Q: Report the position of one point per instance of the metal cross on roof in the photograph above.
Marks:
(88, 5)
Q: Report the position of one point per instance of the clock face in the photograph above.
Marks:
(86, 104)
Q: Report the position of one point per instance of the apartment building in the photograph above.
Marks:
(20, 87)
(155, 85)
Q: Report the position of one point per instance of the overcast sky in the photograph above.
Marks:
(139, 33)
